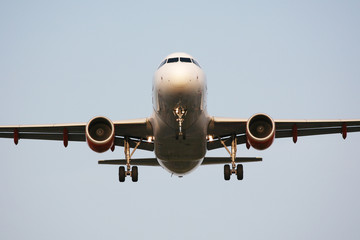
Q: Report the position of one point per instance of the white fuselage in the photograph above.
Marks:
(180, 119)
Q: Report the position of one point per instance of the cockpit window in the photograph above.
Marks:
(188, 60)
(196, 63)
(172, 60)
(182, 59)
(162, 63)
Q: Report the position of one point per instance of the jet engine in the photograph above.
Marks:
(260, 131)
(100, 134)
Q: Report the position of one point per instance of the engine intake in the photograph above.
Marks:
(260, 131)
(100, 134)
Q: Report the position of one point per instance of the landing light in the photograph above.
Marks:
(150, 139)
(211, 138)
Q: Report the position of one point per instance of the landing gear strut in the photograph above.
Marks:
(180, 113)
(239, 169)
(130, 171)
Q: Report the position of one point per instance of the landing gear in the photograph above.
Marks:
(130, 171)
(180, 113)
(122, 174)
(227, 172)
(134, 174)
(240, 172)
(237, 170)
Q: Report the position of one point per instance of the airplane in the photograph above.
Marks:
(180, 131)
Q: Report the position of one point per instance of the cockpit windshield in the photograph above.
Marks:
(172, 60)
(188, 60)
(176, 59)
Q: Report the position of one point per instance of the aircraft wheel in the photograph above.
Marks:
(134, 174)
(227, 172)
(122, 174)
(240, 172)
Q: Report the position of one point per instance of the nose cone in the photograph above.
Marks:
(181, 78)
(180, 81)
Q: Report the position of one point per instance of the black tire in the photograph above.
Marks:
(122, 174)
(227, 172)
(240, 172)
(134, 174)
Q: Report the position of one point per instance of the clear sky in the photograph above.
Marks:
(68, 61)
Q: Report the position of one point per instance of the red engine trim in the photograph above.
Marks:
(100, 146)
(260, 143)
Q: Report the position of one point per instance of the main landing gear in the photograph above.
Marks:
(237, 170)
(130, 171)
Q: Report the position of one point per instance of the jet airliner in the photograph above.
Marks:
(180, 131)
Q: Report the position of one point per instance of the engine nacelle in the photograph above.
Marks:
(260, 131)
(100, 134)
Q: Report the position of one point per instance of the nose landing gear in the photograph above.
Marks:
(180, 113)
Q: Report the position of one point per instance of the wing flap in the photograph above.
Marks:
(216, 143)
(288, 124)
(311, 132)
(144, 145)
(220, 127)
(46, 136)
(137, 128)
(75, 132)
(54, 128)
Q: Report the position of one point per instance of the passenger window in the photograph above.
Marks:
(188, 60)
(172, 60)
(162, 63)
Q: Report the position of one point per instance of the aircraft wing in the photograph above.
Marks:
(224, 128)
(136, 130)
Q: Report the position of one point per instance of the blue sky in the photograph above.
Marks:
(69, 61)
